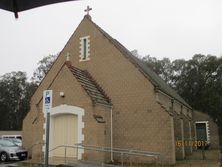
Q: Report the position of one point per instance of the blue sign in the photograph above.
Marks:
(47, 100)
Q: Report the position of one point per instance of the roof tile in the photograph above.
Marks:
(93, 89)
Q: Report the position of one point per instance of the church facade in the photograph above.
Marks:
(104, 96)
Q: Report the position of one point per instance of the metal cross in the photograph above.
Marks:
(87, 10)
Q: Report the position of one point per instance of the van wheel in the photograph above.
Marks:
(3, 157)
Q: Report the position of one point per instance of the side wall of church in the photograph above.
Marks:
(182, 116)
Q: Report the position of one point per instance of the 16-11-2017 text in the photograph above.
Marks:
(191, 143)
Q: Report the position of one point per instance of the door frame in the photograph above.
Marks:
(66, 109)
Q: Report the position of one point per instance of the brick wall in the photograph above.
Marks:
(182, 130)
(94, 133)
(139, 121)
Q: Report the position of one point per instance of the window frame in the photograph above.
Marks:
(84, 48)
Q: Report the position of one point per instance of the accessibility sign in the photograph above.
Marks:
(47, 100)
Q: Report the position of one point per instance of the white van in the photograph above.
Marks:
(12, 137)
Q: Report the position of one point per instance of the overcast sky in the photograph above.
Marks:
(160, 28)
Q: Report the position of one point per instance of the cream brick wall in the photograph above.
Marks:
(179, 136)
(139, 121)
(75, 95)
(182, 131)
(165, 100)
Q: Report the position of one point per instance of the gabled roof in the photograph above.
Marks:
(149, 74)
(93, 89)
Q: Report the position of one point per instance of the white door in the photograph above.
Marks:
(64, 133)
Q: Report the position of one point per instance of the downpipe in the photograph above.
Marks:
(111, 133)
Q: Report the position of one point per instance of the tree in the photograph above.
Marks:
(198, 81)
(15, 94)
(44, 66)
(160, 67)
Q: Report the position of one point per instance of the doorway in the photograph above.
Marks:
(66, 128)
(64, 133)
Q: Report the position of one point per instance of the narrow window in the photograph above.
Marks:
(84, 48)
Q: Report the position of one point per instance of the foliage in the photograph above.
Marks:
(160, 67)
(43, 67)
(198, 81)
(15, 94)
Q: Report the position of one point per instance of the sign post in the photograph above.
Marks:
(47, 105)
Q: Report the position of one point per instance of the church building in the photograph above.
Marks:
(102, 95)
